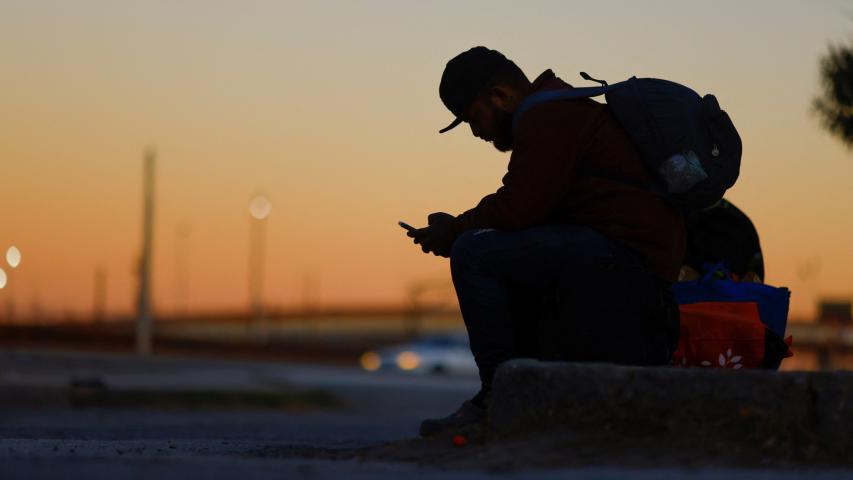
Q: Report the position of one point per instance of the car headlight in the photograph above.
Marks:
(370, 361)
(408, 360)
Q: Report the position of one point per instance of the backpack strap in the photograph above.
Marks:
(573, 94)
(553, 95)
(562, 94)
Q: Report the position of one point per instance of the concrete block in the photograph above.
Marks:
(796, 411)
(833, 398)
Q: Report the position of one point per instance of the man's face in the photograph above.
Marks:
(490, 123)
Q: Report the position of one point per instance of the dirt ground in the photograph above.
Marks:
(481, 450)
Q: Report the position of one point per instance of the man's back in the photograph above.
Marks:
(572, 163)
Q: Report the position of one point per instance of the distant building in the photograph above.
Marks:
(835, 312)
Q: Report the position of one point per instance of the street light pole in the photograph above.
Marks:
(259, 210)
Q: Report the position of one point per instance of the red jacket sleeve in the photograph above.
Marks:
(540, 172)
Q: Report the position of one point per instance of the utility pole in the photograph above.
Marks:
(36, 311)
(100, 295)
(13, 259)
(10, 307)
(182, 272)
(143, 323)
(310, 292)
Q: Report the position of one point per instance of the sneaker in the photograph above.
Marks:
(467, 415)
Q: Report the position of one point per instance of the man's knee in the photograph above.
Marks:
(467, 249)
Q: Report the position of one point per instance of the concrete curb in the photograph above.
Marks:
(801, 411)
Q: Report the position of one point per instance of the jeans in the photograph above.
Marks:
(559, 292)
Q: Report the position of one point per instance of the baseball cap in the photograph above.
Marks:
(466, 75)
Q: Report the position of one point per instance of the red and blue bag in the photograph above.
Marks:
(730, 324)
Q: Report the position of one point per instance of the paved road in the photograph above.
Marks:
(378, 407)
(60, 442)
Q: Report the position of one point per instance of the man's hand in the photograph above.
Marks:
(438, 237)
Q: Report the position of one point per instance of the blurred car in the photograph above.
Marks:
(437, 354)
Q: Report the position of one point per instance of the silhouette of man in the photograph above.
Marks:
(574, 205)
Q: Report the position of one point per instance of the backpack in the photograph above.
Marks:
(687, 142)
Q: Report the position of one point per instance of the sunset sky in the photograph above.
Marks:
(331, 109)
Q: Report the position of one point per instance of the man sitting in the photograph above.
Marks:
(575, 217)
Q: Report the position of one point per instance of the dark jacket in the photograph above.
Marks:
(565, 159)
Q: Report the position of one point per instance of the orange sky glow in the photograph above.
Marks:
(331, 109)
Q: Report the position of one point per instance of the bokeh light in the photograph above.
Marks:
(2, 279)
(13, 256)
(370, 361)
(260, 207)
(408, 360)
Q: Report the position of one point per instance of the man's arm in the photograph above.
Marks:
(541, 170)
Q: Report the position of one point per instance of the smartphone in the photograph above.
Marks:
(406, 226)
